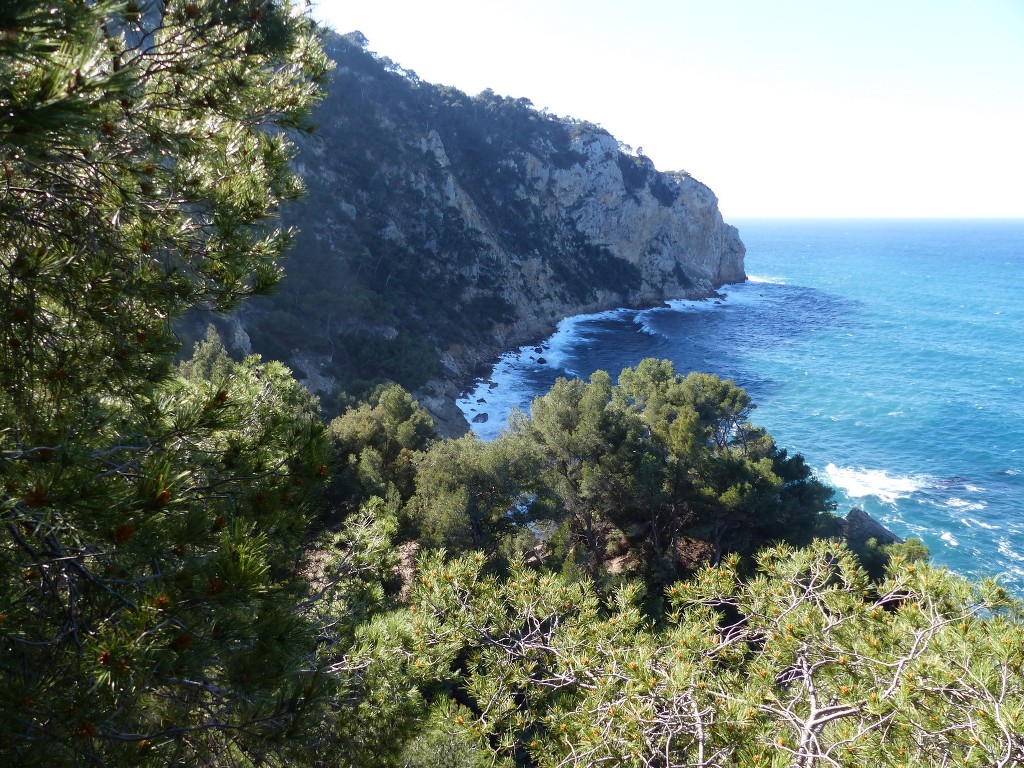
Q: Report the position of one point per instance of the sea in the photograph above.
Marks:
(890, 353)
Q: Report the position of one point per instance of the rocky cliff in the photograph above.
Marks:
(441, 228)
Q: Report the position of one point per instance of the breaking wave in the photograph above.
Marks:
(858, 483)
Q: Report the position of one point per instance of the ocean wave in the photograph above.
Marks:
(970, 522)
(1006, 549)
(570, 334)
(642, 319)
(857, 483)
(949, 539)
(1015, 574)
(964, 505)
(766, 279)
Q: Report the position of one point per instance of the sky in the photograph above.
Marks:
(791, 108)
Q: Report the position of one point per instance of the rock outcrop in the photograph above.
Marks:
(859, 527)
(441, 229)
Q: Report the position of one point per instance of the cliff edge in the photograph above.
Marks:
(440, 229)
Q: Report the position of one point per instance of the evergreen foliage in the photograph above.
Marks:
(661, 459)
(375, 444)
(472, 495)
(165, 600)
(152, 519)
(806, 663)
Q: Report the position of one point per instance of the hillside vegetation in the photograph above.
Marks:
(197, 569)
(441, 228)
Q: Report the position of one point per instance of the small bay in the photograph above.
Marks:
(889, 353)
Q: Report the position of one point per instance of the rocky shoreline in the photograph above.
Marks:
(439, 396)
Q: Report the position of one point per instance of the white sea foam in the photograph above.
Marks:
(857, 482)
(973, 521)
(570, 333)
(1006, 549)
(766, 279)
(913, 529)
(501, 392)
(966, 506)
(949, 539)
(743, 295)
(973, 488)
(509, 385)
(496, 395)
(643, 319)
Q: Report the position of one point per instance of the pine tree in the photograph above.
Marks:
(661, 458)
(806, 663)
(151, 520)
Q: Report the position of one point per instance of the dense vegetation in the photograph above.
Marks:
(196, 570)
(409, 278)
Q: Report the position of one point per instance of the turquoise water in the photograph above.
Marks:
(889, 353)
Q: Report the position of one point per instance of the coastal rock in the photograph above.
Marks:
(859, 526)
(480, 418)
(438, 398)
(667, 224)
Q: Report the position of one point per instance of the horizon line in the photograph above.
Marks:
(843, 217)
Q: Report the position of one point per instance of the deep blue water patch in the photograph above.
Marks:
(889, 353)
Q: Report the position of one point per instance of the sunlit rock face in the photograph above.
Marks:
(441, 228)
(668, 224)
(661, 232)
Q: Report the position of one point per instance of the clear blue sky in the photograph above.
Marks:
(887, 108)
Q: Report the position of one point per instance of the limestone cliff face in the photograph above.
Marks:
(664, 229)
(440, 229)
(668, 224)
